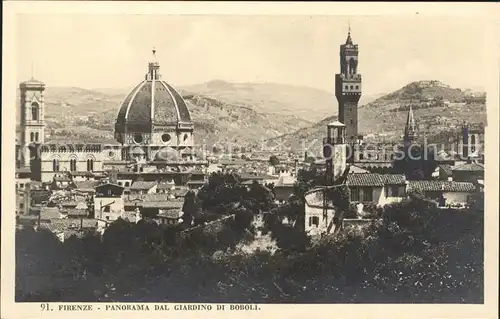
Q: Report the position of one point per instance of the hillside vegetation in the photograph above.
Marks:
(439, 110)
(248, 113)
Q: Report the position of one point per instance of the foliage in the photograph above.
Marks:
(406, 258)
(273, 160)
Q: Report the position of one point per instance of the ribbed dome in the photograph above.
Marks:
(151, 103)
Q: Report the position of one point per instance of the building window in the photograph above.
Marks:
(166, 138)
(32, 137)
(352, 87)
(347, 87)
(357, 87)
(55, 165)
(90, 165)
(34, 111)
(395, 191)
(138, 138)
(315, 221)
(72, 165)
(36, 137)
(354, 194)
(473, 143)
(127, 184)
(21, 205)
(21, 185)
(368, 194)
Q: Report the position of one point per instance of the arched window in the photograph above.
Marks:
(36, 137)
(473, 143)
(55, 165)
(90, 165)
(35, 109)
(32, 137)
(72, 165)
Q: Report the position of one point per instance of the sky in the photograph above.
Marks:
(112, 51)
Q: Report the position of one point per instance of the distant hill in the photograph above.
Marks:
(272, 98)
(438, 108)
(251, 112)
(90, 114)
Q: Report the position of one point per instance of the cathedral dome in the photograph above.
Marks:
(153, 103)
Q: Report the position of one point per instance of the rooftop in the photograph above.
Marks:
(437, 186)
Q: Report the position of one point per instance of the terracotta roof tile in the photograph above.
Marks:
(393, 179)
(142, 185)
(364, 180)
(445, 186)
(469, 167)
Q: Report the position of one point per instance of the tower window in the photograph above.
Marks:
(36, 137)
(34, 111)
(32, 137)
(357, 87)
(55, 165)
(72, 165)
(347, 87)
(352, 87)
(90, 165)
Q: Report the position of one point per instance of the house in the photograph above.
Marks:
(85, 186)
(394, 188)
(143, 187)
(366, 187)
(468, 172)
(164, 187)
(151, 205)
(319, 219)
(169, 217)
(444, 172)
(284, 188)
(23, 177)
(60, 181)
(82, 176)
(108, 201)
(381, 189)
(445, 192)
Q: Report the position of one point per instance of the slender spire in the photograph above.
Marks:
(411, 126)
(349, 40)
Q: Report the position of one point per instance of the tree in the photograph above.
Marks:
(341, 198)
(274, 160)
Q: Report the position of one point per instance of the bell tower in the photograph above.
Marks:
(348, 89)
(32, 116)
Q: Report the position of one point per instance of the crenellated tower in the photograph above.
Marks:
(348, 89)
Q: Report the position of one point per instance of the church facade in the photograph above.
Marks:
(154, 135)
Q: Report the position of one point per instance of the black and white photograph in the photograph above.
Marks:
(194, 160)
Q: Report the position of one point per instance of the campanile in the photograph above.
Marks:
(348, 89)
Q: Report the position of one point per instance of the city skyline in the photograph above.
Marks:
(293, 50)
